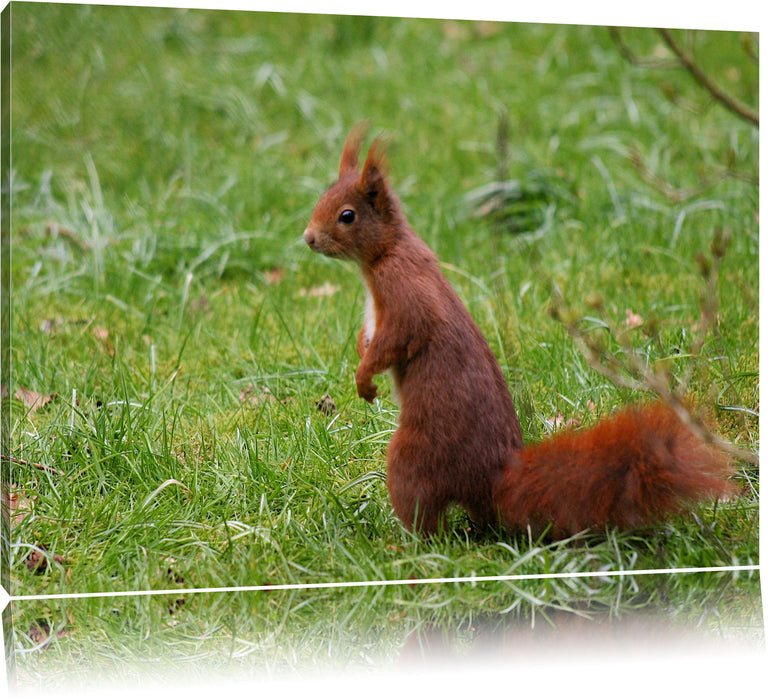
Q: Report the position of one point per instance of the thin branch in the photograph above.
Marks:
(638, 61)
(726, 99)
(656, 383)
(27, 463)
(619, 371)
(750, 42)
(681, 194)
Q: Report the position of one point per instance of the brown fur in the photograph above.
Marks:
(628, 471)
(459, 440)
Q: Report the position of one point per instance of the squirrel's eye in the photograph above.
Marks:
(348, 216)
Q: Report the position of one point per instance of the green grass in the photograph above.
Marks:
(164, 167)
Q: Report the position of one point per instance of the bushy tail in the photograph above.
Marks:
(628, 471)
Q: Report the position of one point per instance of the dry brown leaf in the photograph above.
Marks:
(633, 320)
(20, 506)
(274, 276)
(327, 289)
(40, 633)
(560, 422)
(486, 29)
(38, 562)
(453, 30)
(248, 395)
(48, 325)
(103, 337)
(201, 305)
(32, 399)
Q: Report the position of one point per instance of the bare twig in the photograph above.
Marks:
(723, 97)
(681, 194)
(620, 372)
(640, 61)
(684, 59)
(656, 383)
(27, 463)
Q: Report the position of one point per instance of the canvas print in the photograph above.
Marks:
(340, 344)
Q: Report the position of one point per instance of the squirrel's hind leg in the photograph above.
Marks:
(417, 500)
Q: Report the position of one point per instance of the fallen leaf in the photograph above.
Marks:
(103, 337)
(20, 507)
(47, 325)
(201, 305)
(557, 422)
(486, 29)
(633, 320)
(40, 633)
(560, 421)
(248, 395)
(453, 30)
(32, 399)
(327, 289)
(274, 276)
(37, 562)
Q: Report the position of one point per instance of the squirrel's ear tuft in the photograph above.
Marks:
(373, 178)
(352, 148)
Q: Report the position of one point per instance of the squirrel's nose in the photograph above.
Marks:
(309, 236)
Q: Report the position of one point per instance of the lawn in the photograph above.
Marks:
(173, 339)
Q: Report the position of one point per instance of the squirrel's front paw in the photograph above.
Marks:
(367, 389)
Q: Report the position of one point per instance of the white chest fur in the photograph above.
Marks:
(370, 322)
(369, 316)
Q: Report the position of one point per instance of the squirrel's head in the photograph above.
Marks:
(356, 218)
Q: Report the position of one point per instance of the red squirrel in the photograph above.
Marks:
(459, 439)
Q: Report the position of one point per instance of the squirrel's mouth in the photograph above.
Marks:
(309, 238)
(313, 241)
(322, 244)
